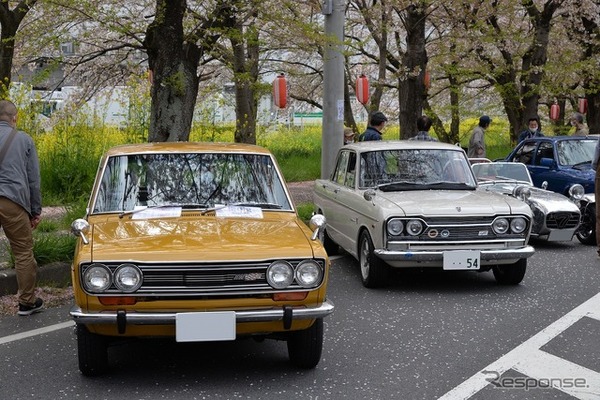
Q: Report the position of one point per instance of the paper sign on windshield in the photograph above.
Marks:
(239, 211)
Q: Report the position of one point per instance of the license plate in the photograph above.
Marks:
(560, 235)
(205, 326)
(461, 260)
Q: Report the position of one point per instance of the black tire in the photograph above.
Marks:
(511, 274)
(92, 351)
(586, 233)
(374, 272)
(305, 347)
(331, 247)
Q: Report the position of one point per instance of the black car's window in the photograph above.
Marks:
(201, 180)
(571, 152)
(414, 166)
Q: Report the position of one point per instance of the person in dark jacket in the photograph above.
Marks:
(534, 129)
(375, 128)
(20, 203)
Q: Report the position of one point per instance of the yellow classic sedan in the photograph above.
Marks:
(199, 242)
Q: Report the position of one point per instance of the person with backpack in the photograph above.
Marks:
(20, 203)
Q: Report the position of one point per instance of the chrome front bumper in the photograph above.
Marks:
(430, 256)
(142, 318)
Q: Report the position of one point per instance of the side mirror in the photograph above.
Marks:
(547, 162)
(317, 225)
(369, 194)
(544, 185)
(80, 227)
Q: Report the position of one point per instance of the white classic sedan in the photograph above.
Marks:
(414, 204)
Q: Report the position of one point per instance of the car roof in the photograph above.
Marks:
(186, 147)
(376, 145)
(561, 138)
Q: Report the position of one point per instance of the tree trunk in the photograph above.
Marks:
(173, 63)
(245, 47)
(10, 20)
(411, 83)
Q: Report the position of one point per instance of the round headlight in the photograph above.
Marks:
(500, 225)
(280, 274)
(518, 225)
(97, 278)
(128, 278)
(308, 274)
(414, 227)
(576, 191)
(395, 226)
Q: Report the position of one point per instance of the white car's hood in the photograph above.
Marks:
(450, 202)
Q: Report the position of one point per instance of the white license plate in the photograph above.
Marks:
(205, 326)
(462, 260)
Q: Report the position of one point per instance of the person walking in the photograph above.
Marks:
(375, 128)
(477, 142)
(581, 128)
(20, 203)
(534, 129)
(423, 126)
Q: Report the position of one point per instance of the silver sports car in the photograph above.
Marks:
(555, 217)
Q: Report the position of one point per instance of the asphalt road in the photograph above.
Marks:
(428, 335)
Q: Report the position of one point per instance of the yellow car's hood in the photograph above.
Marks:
(199, 239)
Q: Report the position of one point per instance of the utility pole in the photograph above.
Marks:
(333, 85)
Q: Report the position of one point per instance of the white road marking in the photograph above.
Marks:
(35, 332)
(526, 353)
(541, 365)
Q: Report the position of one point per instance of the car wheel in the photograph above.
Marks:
(586, 233)
(92, 351)
(331, 247)
(373, 271)
(510, 274)
(305, 347)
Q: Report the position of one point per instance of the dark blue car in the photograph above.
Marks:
(561, 161)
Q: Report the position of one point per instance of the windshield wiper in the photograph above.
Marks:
(579, 164)
(182, 205)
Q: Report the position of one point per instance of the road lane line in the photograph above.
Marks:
(560, 374)
(35, 332)
(481, 379)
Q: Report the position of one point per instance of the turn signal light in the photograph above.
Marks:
(118, 301)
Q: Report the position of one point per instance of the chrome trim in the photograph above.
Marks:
(438, 255)
(168, 318)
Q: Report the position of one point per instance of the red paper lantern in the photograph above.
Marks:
(554, 112)
(362, 89)
(583, 105)
(280, 91)
(427, 80)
